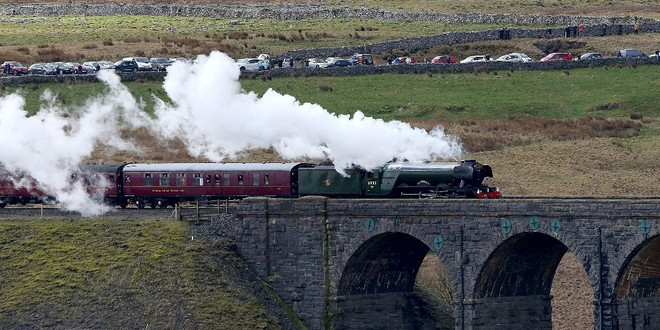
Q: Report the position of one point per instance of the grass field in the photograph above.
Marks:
(119, 274)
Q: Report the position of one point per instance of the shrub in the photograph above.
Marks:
(23, 50)
(325, 88)
(132, 40)
(237, 35)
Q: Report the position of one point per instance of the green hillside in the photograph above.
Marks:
(117, 274)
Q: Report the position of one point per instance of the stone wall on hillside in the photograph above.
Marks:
(296, 12)
(453, 38)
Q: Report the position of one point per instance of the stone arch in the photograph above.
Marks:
(385, 263)
(637, 288)
(376, 286)
(516, 280)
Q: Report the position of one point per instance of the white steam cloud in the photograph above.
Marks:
(212, 116)
(216, 120)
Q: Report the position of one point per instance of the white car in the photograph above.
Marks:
(316, 63)
(515, 57)
(477, 58)
(251, 64)
(142, 62)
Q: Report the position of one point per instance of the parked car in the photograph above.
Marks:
(14, 68)
(78, 68)
(405, 60)
(631, 53)
(448, 59)
(178, 59)
(126, 66)
(476, 58)
(558, 57)
(63, 68)
(105, 65)
(590, 56)
(42, 68)
(338, 63)
(332, 59)
(316, 63)
(514, 57)
(365, 59)
(142, 63)
(251, 64)
(159, 63)
(91, 67)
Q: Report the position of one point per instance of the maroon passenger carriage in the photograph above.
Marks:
(99, 180)
(19, 189)
(102, 181)
(167, 184)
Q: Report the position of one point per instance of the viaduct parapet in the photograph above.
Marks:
(352, 264)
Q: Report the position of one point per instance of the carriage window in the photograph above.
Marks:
(181, 179)
(255, 179)
(208, 179)
(148, 179)
(111, 178)
(197, 179)
(74, 178)
(240, 179)
(128, 179)
(266, 179)
(164, 179)
(217, 179)
(225, 179)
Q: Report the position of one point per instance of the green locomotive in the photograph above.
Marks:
(400, 179)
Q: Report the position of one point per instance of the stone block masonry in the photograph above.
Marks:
(327, 257)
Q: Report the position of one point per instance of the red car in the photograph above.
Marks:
(14, 68)
(448, 59)
(558, 57)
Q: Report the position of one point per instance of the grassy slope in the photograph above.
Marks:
(118, 274)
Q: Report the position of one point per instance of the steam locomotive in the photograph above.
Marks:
(162, 185)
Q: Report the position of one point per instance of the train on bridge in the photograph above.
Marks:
(166, 184)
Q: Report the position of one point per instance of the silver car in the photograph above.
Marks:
(514, 57)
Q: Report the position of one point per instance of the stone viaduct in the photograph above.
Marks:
(352, 263)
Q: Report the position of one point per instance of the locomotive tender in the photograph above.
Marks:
(160, 185)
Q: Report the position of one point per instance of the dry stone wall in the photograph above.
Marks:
(296, 12)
